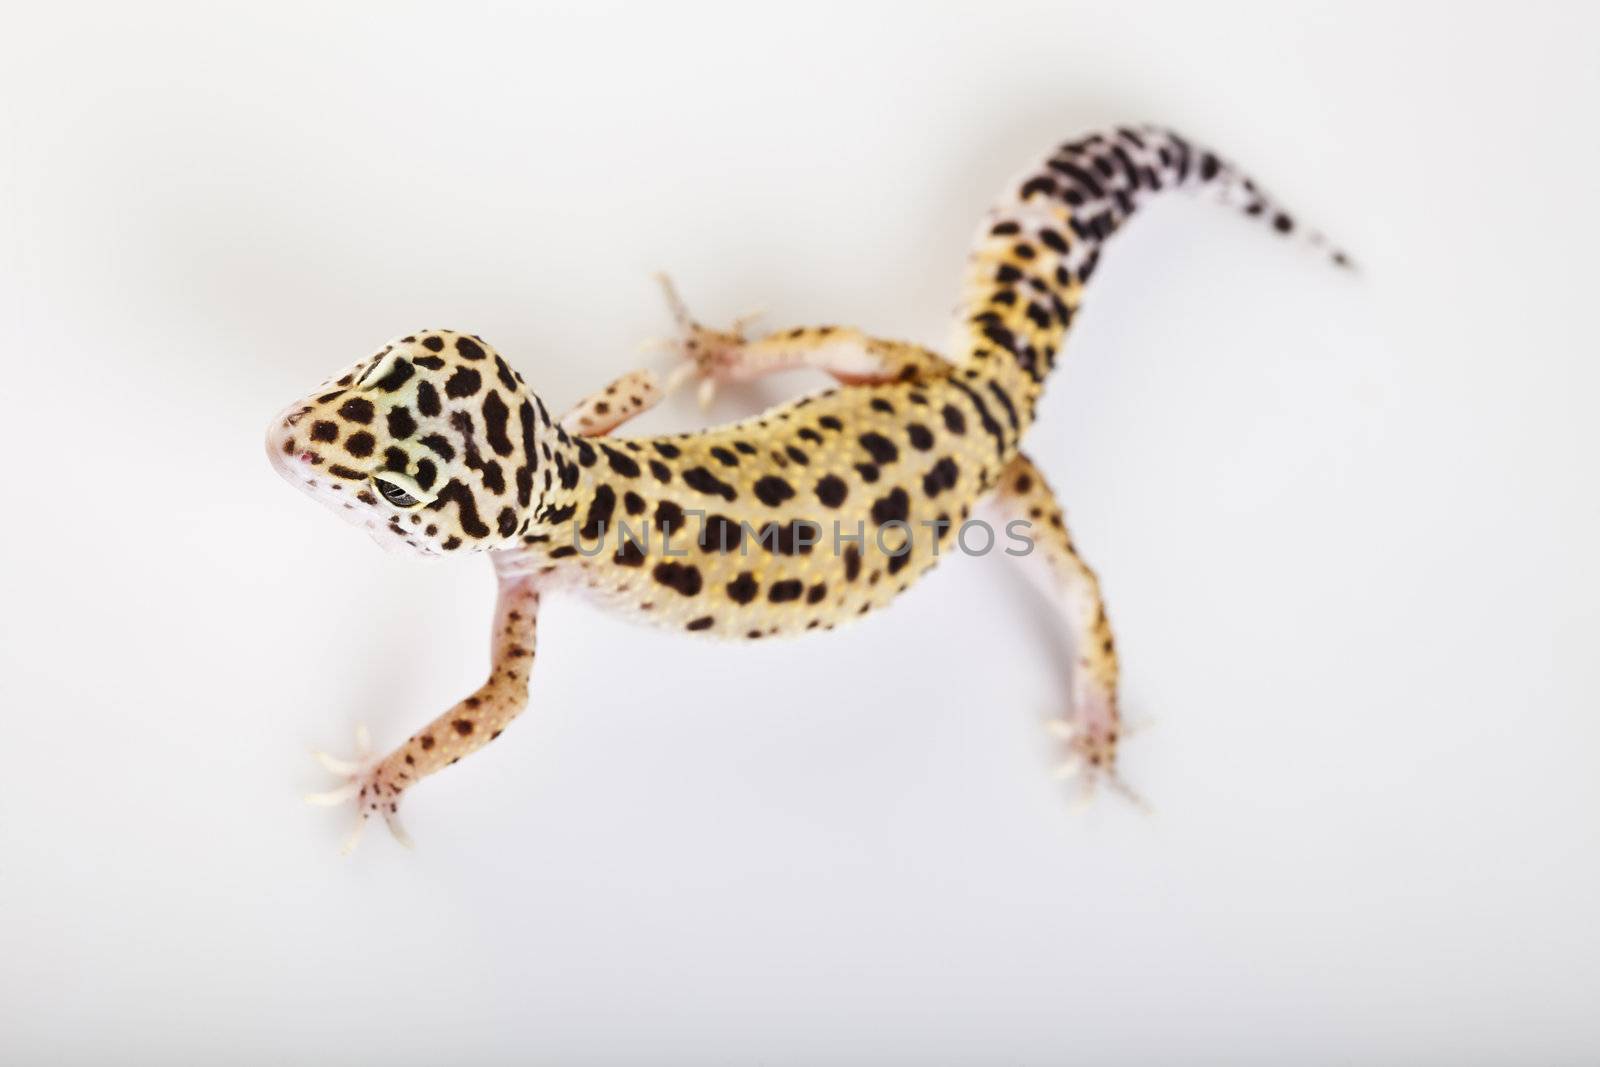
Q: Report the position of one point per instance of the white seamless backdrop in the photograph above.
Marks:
(1346, 526)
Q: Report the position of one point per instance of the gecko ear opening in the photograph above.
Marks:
(402, 491)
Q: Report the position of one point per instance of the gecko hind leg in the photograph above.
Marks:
(1092, 728)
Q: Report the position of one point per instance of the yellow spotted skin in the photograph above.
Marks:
(813, 514)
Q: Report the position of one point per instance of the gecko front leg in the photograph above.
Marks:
(599, 413)
(719, 357)
(1092, 728)
(377, 787)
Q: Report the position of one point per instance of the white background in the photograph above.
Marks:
(1346, 525)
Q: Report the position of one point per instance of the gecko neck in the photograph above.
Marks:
(570, 495)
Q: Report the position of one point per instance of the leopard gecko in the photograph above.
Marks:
(813, 514)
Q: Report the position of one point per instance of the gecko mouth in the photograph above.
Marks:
(354, 501)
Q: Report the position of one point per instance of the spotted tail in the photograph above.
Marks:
(1039, 245)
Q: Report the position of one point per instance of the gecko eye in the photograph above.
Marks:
(395, 495)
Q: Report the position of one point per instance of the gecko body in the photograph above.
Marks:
(813, 514)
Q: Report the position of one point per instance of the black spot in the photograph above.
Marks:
(815, 594)
(326, 431)
(1282, 223)
(464, 382)
(360, 444)
(704, 622)
(684, 577)
(669, 517)
(339, 470)
(398, 375)
(880, 404)
(796, 454)
(879, 447)
(745, 447)
(462, 727)
(503, 372)
(469, 348)
(568, 472)
(828, 422)
(586, 453)
(1089, 265)
(494, 479)
(954, 421)
(868, 472)
(772, 490)
(723, 456)
(451, 544)
(720, 534)
(1001, 336)
(831, 490)
(440, 445)
(629, 554)
(898, 560)
(703, 480)
(633, 502)
(357, 409)
(621, 463)
(808, 434)
(401, 424)
(454, 492)
(989, 425)
(667, 451)
(941, 476)
(1209, 165)
(1005, 402)
(920, 436)
(600, 511)
(785, 538)
(852, 563)
(428, 399)
(662, 472)
(507, 522)
(892, 508)
(431, 362)
(530, 455)
(789, 589)
(496, 418)
(427, 473)
(743, 589)
(433, 344)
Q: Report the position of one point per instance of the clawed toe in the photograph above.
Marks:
(1090, 761)
(704, 354)
(361, 785)
(334, 797)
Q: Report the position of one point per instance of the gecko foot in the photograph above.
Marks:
(711, 356)
(1090, 734)
(367, 785)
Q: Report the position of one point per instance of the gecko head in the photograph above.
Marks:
(433, 444)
